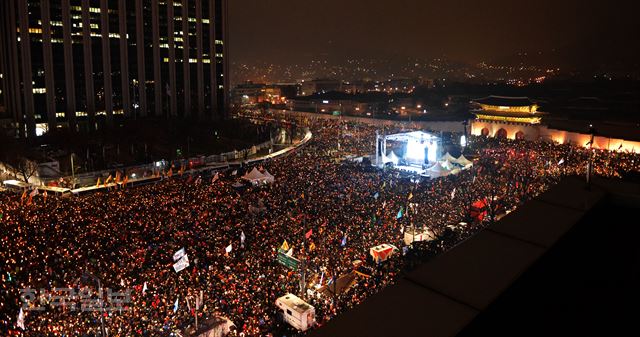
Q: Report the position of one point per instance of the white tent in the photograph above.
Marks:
(462, 161)
(448, 157)
(447, 164)
(268, 177)
(437, 170)
(254, 176)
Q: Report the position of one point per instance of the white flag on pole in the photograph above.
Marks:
(453, 193)
(242, 238)
(20, 322)
(229, 248)
(144, 287)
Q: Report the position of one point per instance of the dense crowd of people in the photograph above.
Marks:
(329, 212)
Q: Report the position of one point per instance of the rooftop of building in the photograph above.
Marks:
(516, 114)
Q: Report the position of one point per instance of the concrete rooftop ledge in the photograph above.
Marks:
(403, 309)
(572, 192)
(546, 232)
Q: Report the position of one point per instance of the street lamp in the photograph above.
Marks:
(592, 131)
(465, 123)
(73, 172)
(103, 332)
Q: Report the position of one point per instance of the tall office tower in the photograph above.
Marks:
(82, 64)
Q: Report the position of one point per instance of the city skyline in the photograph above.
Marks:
(567, 34)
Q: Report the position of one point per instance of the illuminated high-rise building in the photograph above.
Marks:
(83, 64)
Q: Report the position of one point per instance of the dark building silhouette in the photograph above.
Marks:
(87, 63)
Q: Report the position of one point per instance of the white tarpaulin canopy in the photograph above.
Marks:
(447, 164)
(255, 176)
(448, 157)
(437, 170)
(462, 161)
(269, 177)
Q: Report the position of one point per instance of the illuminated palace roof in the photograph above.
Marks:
(508, 109)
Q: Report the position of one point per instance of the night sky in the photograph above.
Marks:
(568, 32)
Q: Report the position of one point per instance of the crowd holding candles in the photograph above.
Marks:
(329, 212)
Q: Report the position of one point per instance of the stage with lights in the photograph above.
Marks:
(411, 152)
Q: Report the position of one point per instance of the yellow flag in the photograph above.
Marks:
(312, 246)
(98, 182)
(410, 195)
(285, 246)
